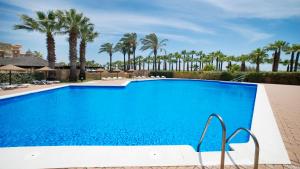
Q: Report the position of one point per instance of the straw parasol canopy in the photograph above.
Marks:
(117, 70)
(45, 69)
(100, 70)
(10, 68)
(130, 70)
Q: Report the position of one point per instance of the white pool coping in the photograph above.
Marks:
(264, 126)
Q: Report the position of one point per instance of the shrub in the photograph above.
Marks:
(208, 68)
(292, 78)
(167, 74)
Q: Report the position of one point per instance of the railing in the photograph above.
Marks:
(239, 78)
(223, 136)
(256, 155)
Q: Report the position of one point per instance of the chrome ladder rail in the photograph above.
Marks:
(223, 136)
(256, 155)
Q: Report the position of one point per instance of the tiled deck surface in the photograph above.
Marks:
(284, 100)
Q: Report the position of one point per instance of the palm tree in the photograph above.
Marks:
(86, 34)
(183, 59)
(286, 63)
(201, 55)
(297, 49)
(46, 23)
(277, 47)
(243, 59)
(71, 24)
(178, 59)
(152, 42)
(108, 48)
(131, 40)
(121, 47)
(292, 50)
(258, 56)
(193, 52)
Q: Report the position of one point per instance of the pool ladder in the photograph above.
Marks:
(225, 141)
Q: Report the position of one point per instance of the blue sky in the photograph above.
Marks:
(232, 26)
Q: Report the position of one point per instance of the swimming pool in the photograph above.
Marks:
(160, 112)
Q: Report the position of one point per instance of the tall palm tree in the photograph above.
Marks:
(184, 52)
(152, 42)
(200, 54)
(286, 63)
(131, 40)
(45, 23)
(277, 47)
(258, 56)
(192, 53)
(178, 58)
(122, 47)
(293, 49)
(71, 24)
(243, 59)
(108, 48)
(86, 34)
(297, 49)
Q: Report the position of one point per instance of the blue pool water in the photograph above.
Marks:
(160, 112)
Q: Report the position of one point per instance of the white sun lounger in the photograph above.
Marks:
(8, 87)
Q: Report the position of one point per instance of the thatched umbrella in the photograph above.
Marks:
(100, 70)
(130, 71)
(11, 68)
(117, 70)
(45, 69)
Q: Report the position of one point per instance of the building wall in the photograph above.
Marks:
(9, 50)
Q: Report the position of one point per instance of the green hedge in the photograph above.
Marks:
(17, 78)
(292, 78)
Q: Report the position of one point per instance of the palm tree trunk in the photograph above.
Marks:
(124, 60)
(296, 62)
(217, 62)
(192, 63)
(128, 60)
(187, 66)
(73, 55)
(134, 65)
(110, 62)
(82, 60)
(51, 54)
(140, 64)
(288, 68)
(257, 64)
(148, 60)
(183, 63)
(176, 65)
(155, 53)
(243, 66)
(292, 61)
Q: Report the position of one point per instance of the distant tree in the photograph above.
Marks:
(108, 48)
(277, 47)
(152, 42)
(258, 56)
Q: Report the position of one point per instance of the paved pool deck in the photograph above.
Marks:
(285, 102)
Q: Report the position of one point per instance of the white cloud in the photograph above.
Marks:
(250, 34)
(270, 9)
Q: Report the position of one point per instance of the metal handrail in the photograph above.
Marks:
(223, 136)
(239, 78)
(256, 155)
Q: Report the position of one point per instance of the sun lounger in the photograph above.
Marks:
(163, 76)
(23, 85)
(8, 87)
(143, 77)
(115, 78)
(38, 82)
(157, 77)
(152, 77)
(120, 78)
